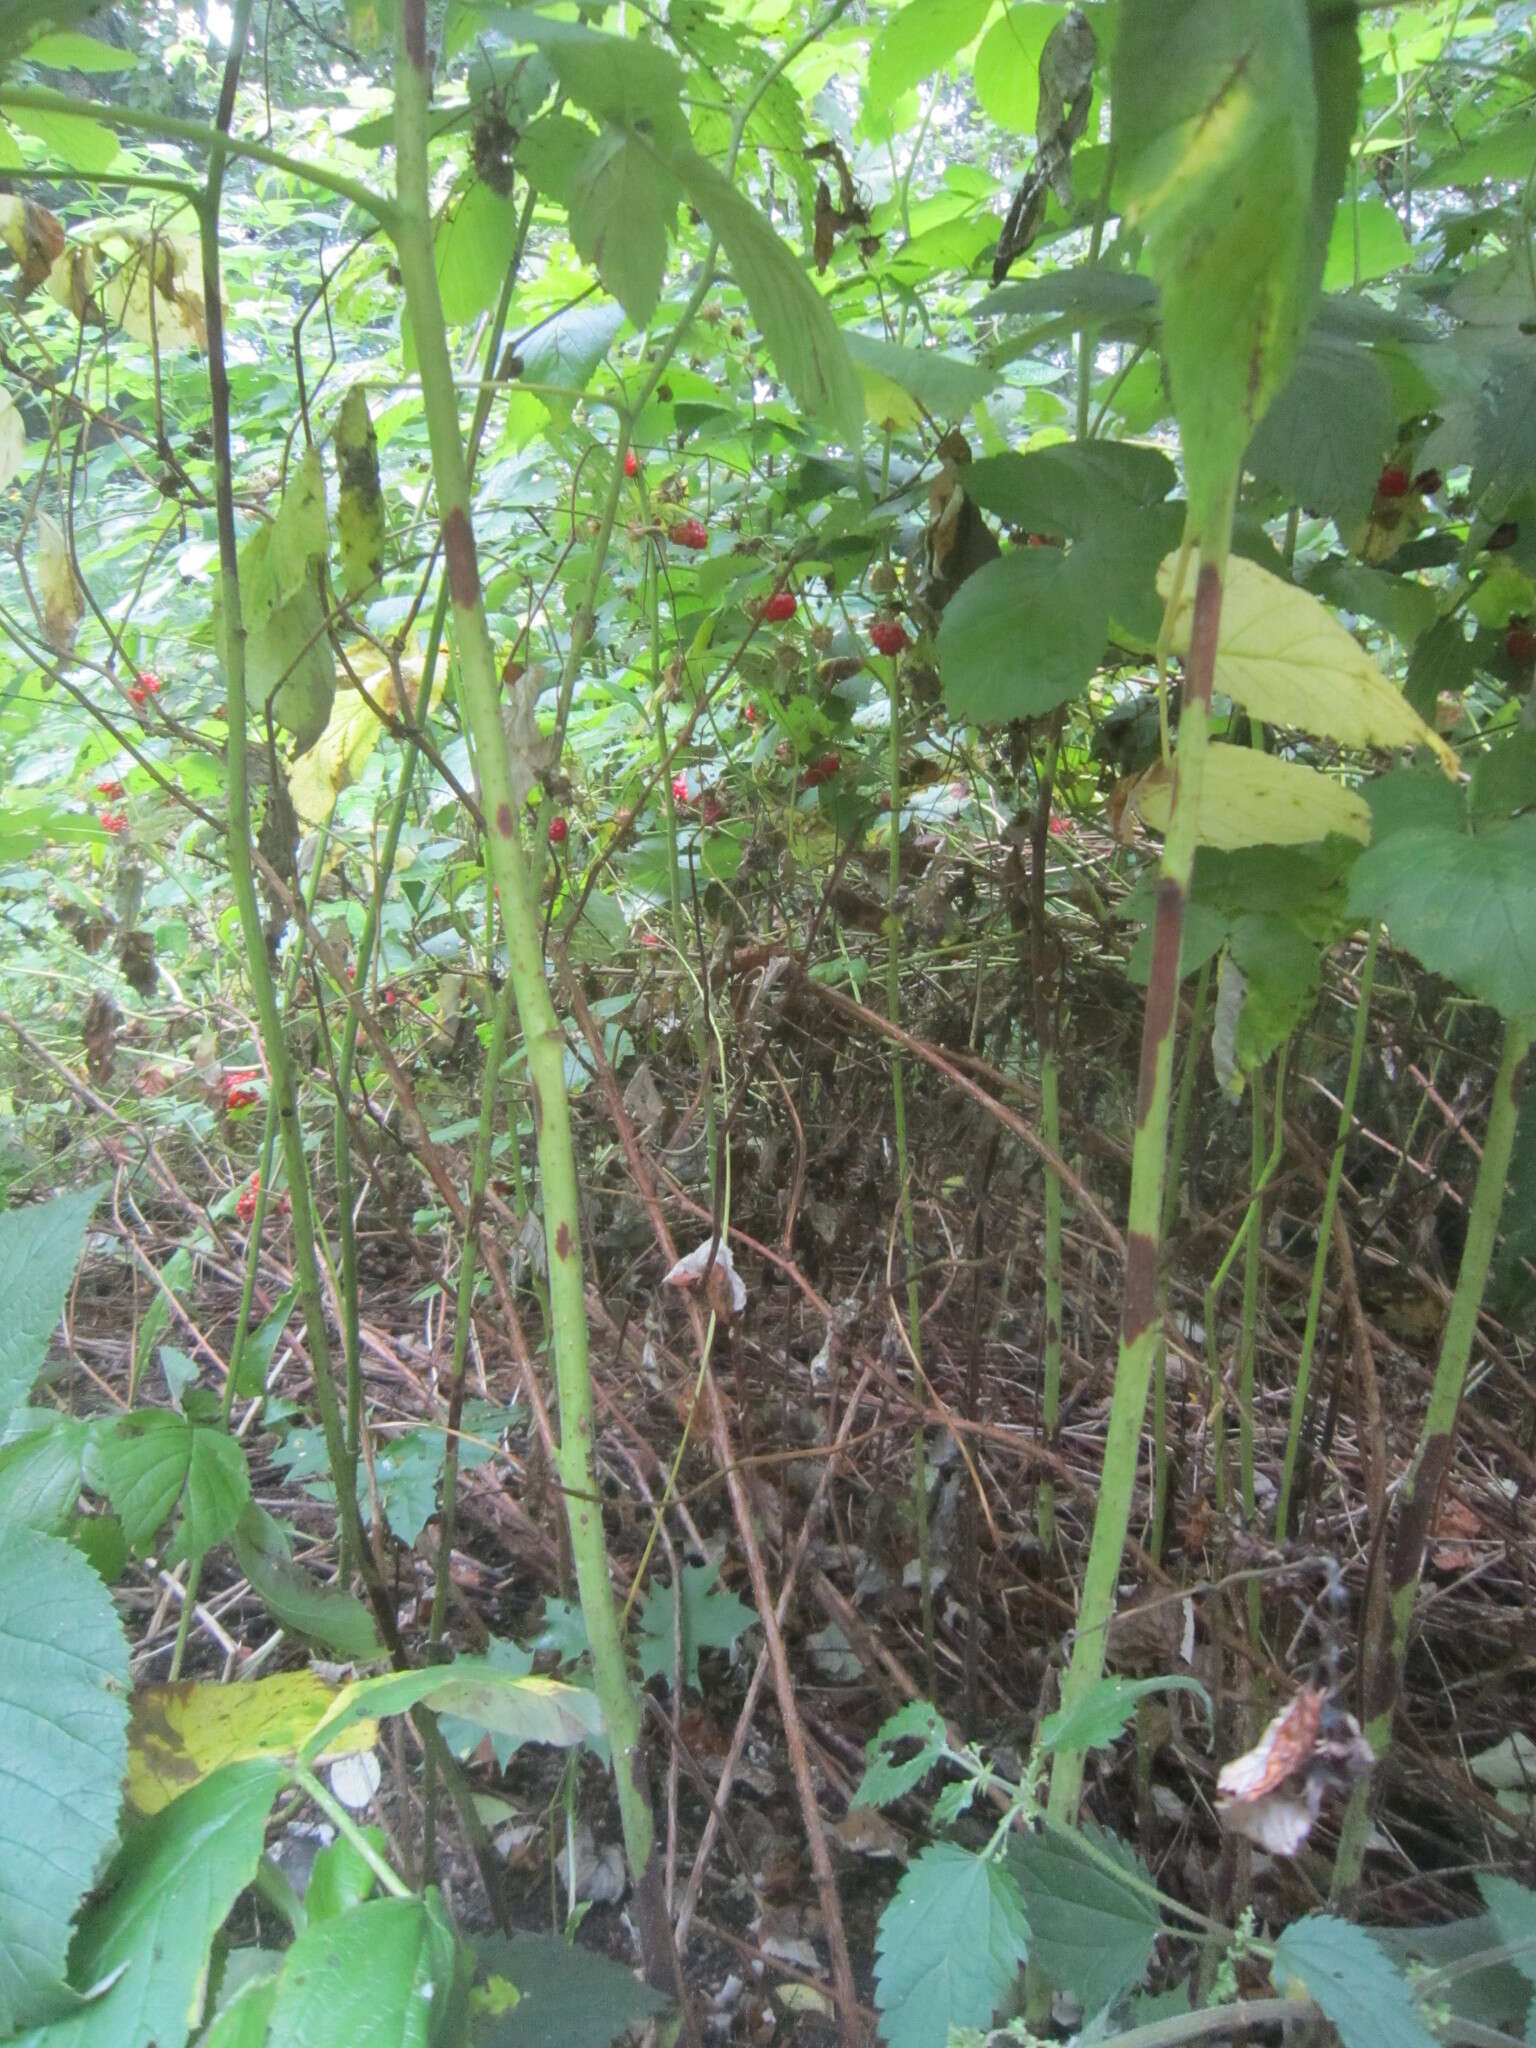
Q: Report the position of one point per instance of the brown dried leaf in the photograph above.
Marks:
(826, 227)
(98, 1034)
(136, 957)
(34, 236)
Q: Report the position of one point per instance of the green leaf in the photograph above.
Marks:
(1027, 632)
(622, 79)
(1407, 799)
(1090, 1932)
(1006, 73)
(530, 1709)
(72, 52)
(1465, 907)
(40, 1469)
(243, 2021)
(942, 385)
(327, 1616)
(712, 1620)
(552, 152)
(560, 357)
(801, 334)
(408, 1470)
(914, 43)
(164, 1899)
(1280, 970)
(472, 248)
(884, 1779)
(623, 205)
(1444, 659)
(1322, 441)
(1359, 1990)
(1021, 636)
(1513, 1907)
(1506, 430)
(1103, 1711)
(39, 1250)
(383, 1976)
(63, 1752)
(1071, 490)
(1504, 779)
(342, 1877)
(1121, 304)
(86, 146)
(1216, 124)
(566, 1994)
(261, 1346)
(949, 1946)
(154, 1463)
(288, 657)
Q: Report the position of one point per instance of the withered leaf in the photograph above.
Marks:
(98, 1034)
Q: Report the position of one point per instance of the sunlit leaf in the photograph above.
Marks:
(1253, 799)
(1286, 659)
(155, 292)
(181, 1732)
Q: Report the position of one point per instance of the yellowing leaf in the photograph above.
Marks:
(179, 1733)
(352, 732)
(1286, 659)
(13, 439)
(63, 600)
(1253, 799)
(72, 280)
(887, 405)
(34, 236)
(156, 295)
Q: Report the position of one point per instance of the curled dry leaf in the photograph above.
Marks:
(98, 1034)
(72, 283)
(34, 236)
(1274, 1793)
(724, 1290)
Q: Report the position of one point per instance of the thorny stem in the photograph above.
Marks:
(373, 917)
(1050, 1124)
(242, 875)
(908, 1234)
(1419, 1495)
(1141, 1315)
(1177, 1147)
(542, 1038)
(1324, 1238)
